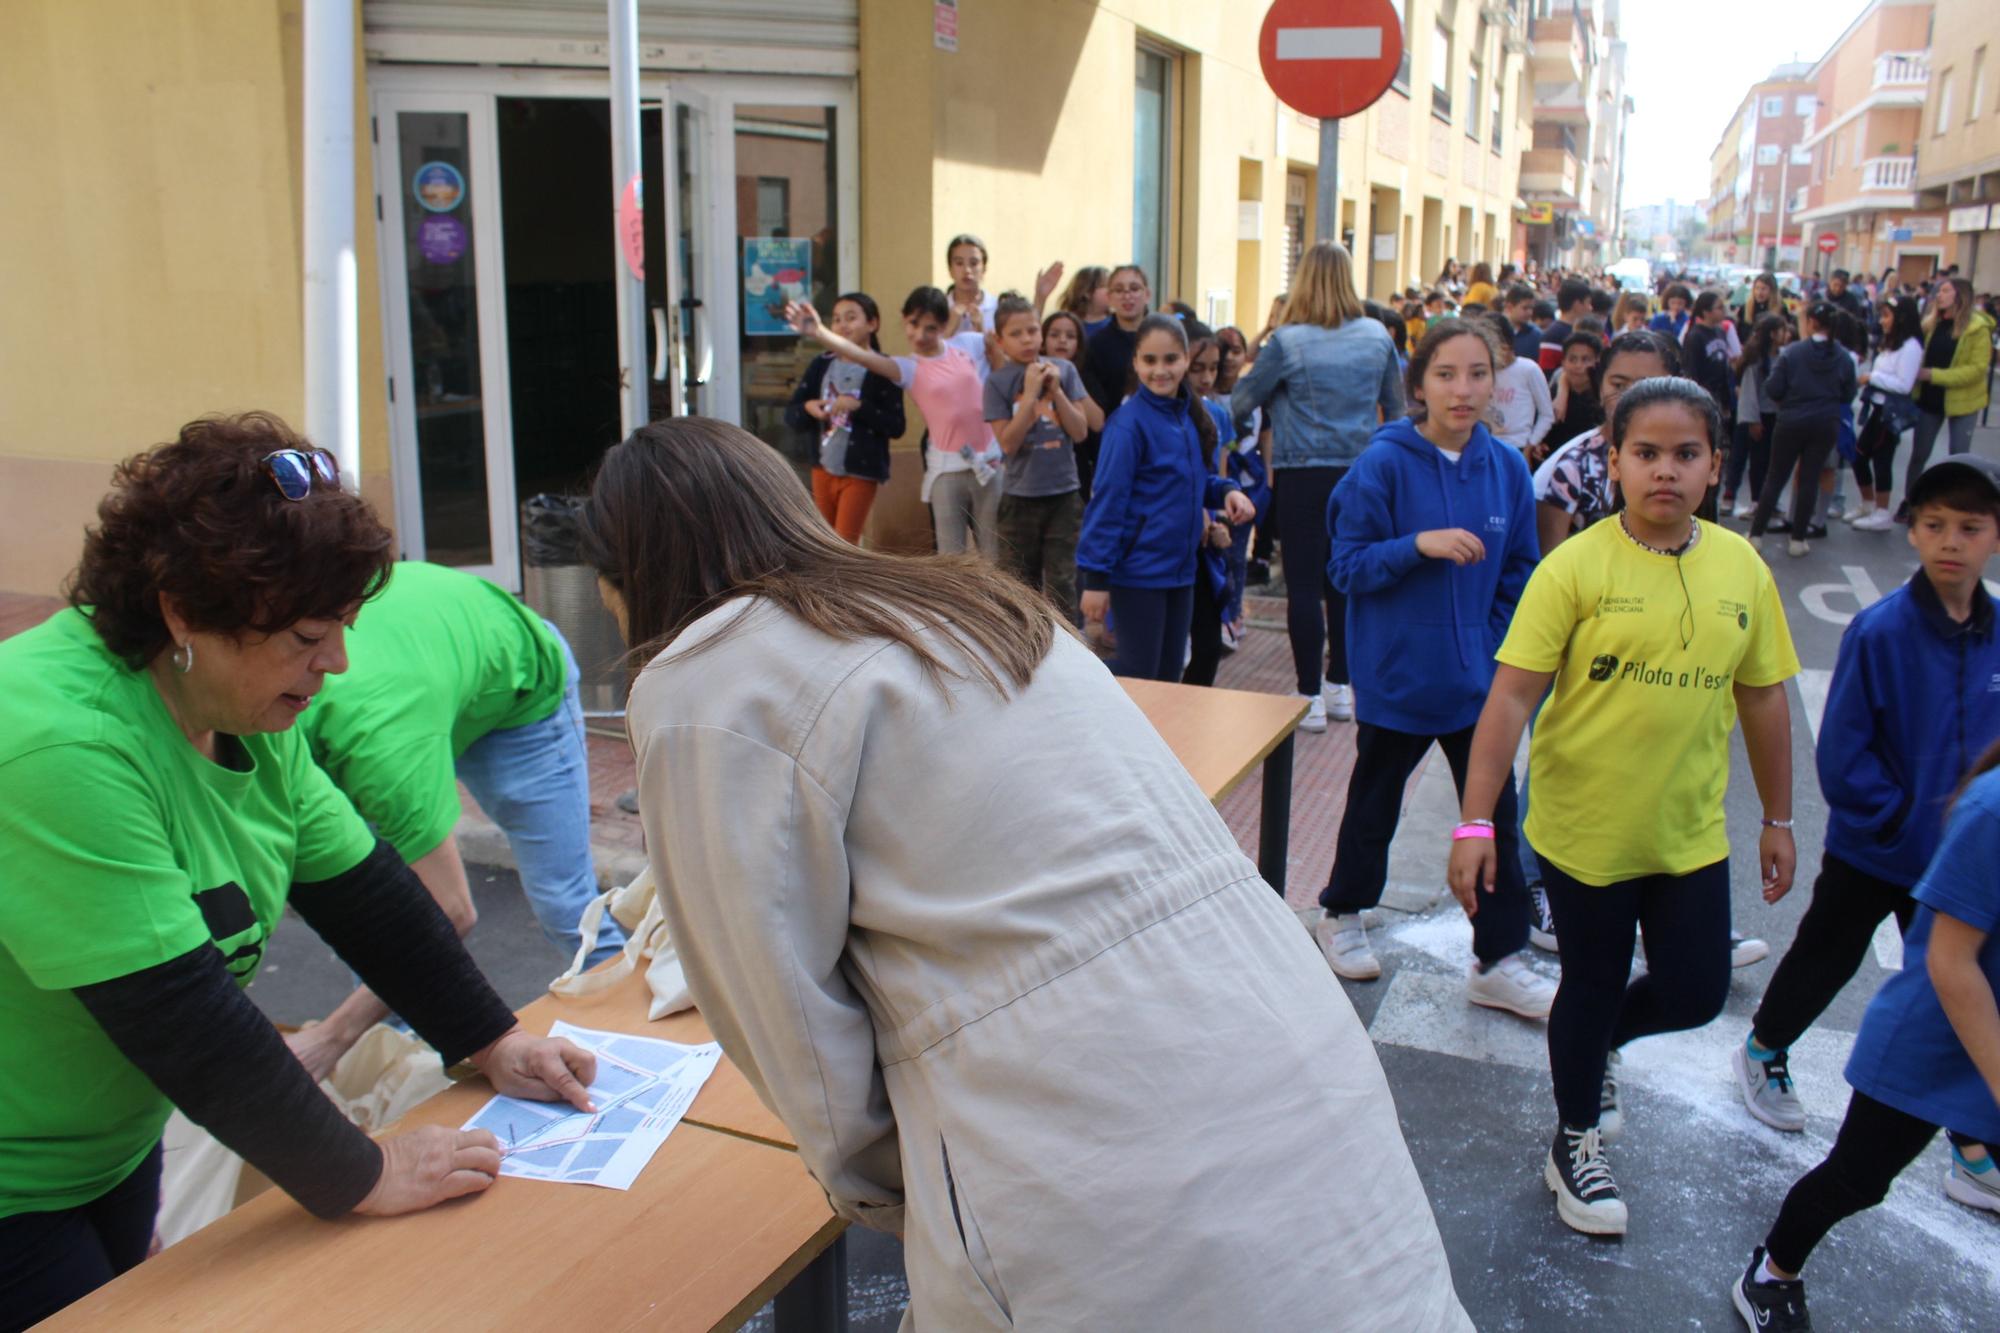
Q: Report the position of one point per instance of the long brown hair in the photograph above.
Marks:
(1961, 311)
(1323, 288)
(688, 514)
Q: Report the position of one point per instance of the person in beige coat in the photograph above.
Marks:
(974, 934)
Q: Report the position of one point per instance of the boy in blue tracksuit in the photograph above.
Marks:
(1915, 698)
(1146, 518)
(1433, 539)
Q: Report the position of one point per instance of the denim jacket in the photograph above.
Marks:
(1324, 388)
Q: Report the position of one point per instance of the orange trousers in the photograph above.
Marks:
(844, 502)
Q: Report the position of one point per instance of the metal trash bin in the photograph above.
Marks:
(560, 588)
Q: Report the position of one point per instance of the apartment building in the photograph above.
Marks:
(1863, 138)
(830, 144)
(1958, 150)
(1572, 176)
(1753, 168)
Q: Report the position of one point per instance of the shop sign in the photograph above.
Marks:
(1536, 215)
(1969, 217)
(776, 269)
(944, 25)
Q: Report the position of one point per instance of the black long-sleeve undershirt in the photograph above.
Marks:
(191, 1030)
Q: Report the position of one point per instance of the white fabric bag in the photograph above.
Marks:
(637, 908)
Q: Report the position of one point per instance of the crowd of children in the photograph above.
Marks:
(1529, 505)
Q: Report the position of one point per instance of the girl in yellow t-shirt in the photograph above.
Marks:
(1657, 632)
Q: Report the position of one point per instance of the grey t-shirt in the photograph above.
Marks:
(1045, 464)
(843, 380)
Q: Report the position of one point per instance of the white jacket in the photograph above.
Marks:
(1009, 981)
(1896, 372)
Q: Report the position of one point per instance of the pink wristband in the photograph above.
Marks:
(1472, 831)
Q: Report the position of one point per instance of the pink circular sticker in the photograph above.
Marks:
(632, 226)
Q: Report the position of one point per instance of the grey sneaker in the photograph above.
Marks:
(1610, 1104)
(1344, 941)
(1974, 1189)
(1767, 1090)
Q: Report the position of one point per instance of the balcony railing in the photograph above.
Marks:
(1903, 69)
(1549, 171)
(1889, 173)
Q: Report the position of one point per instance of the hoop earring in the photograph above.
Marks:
(183, 658)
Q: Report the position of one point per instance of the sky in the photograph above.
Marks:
(1688, 64)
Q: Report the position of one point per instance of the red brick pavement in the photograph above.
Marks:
(1320, 767)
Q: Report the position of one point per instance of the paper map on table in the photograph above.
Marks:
(642, 1089)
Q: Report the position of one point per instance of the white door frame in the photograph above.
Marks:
(504, 529)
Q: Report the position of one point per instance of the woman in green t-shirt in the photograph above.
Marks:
(157, 813)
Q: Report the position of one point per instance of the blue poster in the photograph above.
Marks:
(776, 269)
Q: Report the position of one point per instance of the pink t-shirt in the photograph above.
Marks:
(951, 393)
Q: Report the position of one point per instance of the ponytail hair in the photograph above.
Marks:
(1197, 410)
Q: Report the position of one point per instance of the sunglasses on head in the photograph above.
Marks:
(293, 470)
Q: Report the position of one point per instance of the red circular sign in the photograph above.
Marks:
(1330, 58)
(1828, 242)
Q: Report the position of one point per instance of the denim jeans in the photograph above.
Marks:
(534, 782)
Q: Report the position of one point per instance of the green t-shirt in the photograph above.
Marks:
(123, 847)
(437, 661)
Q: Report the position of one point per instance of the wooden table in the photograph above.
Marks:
(1220, 735)
(715, 1226)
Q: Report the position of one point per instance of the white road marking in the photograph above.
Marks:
(1813, 686)
(1860, 586)
(1329, 43)
(1888, 944)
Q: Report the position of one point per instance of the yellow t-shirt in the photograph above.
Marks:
(1630, 757)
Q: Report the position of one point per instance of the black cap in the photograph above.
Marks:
(1955, 468)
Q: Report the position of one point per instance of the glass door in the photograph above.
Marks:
(690, 161)
(438, 180)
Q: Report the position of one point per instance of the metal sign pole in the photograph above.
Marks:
(626, 171)
(1328, 225)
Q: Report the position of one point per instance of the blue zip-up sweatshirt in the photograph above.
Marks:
(1143, 526)
(1915, 698)
(1421, 633)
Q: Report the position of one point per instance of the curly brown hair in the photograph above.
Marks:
(200, 521)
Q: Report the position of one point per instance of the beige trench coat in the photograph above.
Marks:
(1010, 982)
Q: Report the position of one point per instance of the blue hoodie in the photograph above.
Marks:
(1421, 633)
(1144, 524)
(1915, 698)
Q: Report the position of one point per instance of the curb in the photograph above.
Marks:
(480, 842)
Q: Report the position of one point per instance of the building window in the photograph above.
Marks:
(1472, 102)
(774, 206)
(1977, 93)
(1806, 105)
(1152, 164)
(1774, 106)
(1767, 155)
(1441, 72)
(1801, 155)
(1402, 80)
(1499, 118)
(1944, 102)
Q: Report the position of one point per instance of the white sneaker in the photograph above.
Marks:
(1746, 949)
(1344, 941)
(1796, 548)
(1315, 718)
(1858, 512)
(1879, 521)
(1744, 508)
(1339, 701)
(1974, 1189)
(1512, 985)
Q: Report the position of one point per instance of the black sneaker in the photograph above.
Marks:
(1542, 929)
(1815, 531)
(1586, 1194)
(1257, 573)
(1903, 512)
(1770, 1307)
(1778, 525)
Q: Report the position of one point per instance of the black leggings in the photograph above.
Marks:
(1151, 625)
(1847, 905)
(51, 1260)
(1807, 444)
(1875, 455)
(1598, 1008)
(1204, 630)
(1383, 762)
(1298, 502)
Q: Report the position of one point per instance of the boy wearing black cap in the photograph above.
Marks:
(1915, 698)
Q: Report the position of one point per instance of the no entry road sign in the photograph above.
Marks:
(1330, 58)
(1828, 242)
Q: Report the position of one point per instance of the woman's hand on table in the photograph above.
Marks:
(319, 1049)
(540, 1069)
(429, 1165)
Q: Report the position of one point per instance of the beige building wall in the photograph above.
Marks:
(150, 252)
(1967, 58)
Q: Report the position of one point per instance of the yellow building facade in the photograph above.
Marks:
(1958, 145)
(152, 245)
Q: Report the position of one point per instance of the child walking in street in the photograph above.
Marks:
(1658, 632)
(1433, 534)
(1811, 381)
(1889, 407)
(856, 413)
(1928, 1054)
(947, 377)
(1146, 518)
(1035, 406)
(1911, 704)
(1756, 418)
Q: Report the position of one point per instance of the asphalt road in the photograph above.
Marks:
(1702, 1179)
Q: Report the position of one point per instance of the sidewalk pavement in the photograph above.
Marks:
(1319, 783)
